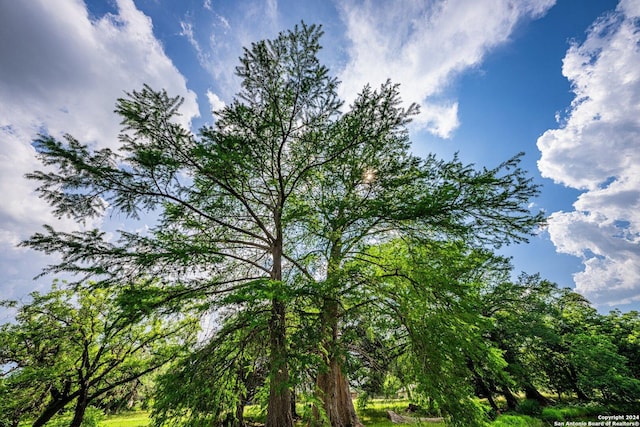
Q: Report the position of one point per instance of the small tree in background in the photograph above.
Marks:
(72, 346)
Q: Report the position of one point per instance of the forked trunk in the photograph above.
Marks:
(332, 383)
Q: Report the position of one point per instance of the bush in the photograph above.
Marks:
(552, 414)
(92, 418)
(530, 407)
(363, 400)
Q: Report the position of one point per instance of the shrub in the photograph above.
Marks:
(552, 414)
(92, 418)
(530, 407)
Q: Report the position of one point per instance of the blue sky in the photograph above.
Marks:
(559, 80)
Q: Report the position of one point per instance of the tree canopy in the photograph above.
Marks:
(275, 219)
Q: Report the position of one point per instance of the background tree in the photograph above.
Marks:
(624, 331)
(550, 338)
(433, 291)
(522, 327)
(75, 345)
(596, 370)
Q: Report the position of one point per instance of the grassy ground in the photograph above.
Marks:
(375, 415)
(135, 419)
(370, 418)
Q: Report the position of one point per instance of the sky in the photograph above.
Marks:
(557, 80)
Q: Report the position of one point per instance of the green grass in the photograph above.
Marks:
(517, 421)
(375, 415)
(134, 419)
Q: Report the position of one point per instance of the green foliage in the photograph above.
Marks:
(624, 331)
(601, 368)
(76, 345)
(363, 401)
(219, 378)
(301, 219)
(433, 291)
(530, 407)
(93, 417)
(550, 415)
(553, 339)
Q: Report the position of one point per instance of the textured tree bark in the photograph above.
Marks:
(332, 383)
(336, 397)
(279, 407)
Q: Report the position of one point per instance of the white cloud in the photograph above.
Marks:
(424, 45)
(214, 101)
(439, 119)
(62, 73)
(598, 150)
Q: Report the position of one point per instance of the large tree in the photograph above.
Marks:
(378, 192)
(221, 197)
(76, 345)
(268, 206)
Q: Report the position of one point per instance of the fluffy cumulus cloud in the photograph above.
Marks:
(215, 102)
(597, 149)
(424, 45)
(62, 73)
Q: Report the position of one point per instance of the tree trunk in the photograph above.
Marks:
(240, 414)
(81, 407)
(332, 383)
(489, 394)
(336, 396)
(580, 394)
(53, 408)
(532, 393)
(294, 411)
(576, 388)
(512, 401)
(279, 407)
(480, 383)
